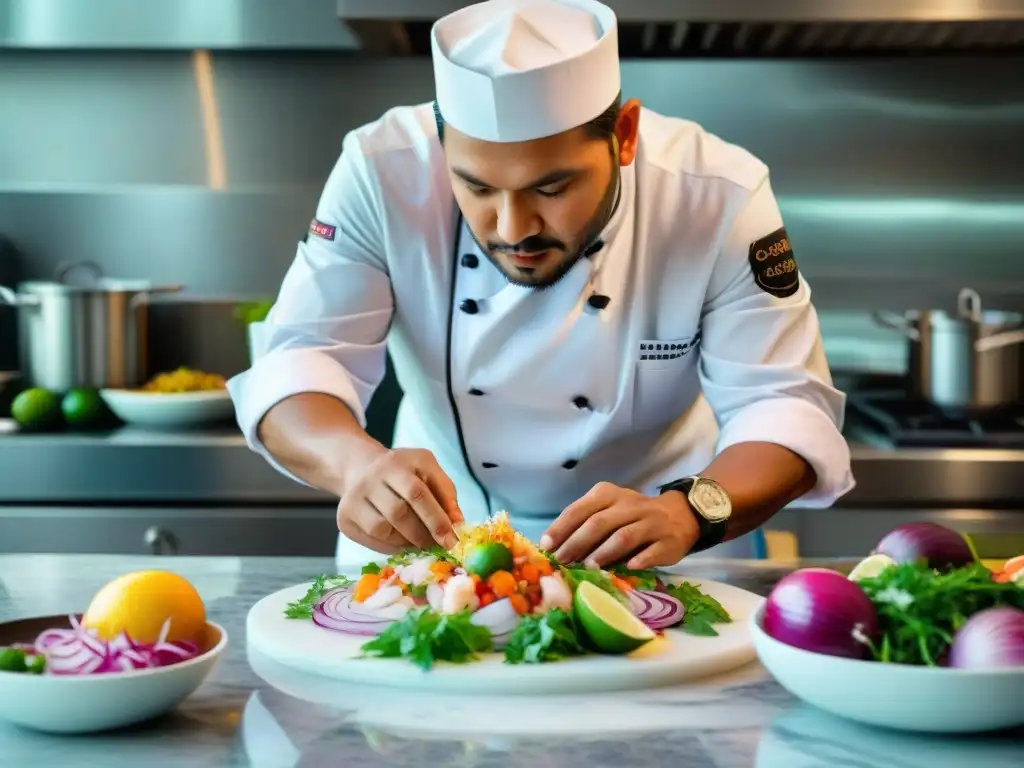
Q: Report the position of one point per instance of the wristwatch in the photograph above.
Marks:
(711, 506)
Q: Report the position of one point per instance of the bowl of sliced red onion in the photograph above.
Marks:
(56, 676)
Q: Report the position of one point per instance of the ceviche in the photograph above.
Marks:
(495, 591)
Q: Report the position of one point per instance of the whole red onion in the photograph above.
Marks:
(942, 548)
(821, 611)
(990, 639)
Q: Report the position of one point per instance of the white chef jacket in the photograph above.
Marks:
(649, 357)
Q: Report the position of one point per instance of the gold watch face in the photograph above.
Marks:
(710, 500)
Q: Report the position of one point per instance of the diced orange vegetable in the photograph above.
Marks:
(530, 573)
(621, 583)
(520, 603)
(387, 572)
(476, 579)
(441, 568)
(365, 587)
(502, 583)
(544, 567)
(634, 580)
(486, 599)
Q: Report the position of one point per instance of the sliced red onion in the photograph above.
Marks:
(658, 610)
(78, 651)
(337, 612)
(501, 618)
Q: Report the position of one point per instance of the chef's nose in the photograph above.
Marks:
(516, 221)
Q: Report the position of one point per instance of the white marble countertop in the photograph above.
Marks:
(252, 712)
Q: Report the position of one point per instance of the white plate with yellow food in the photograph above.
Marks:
(142, 647)
(181, 398)
(496, 615)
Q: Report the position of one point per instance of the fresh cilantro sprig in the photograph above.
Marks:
(920, 609)
(425, 637)
(303, 607)
(549, 636)
(701, 611)
(406, 556)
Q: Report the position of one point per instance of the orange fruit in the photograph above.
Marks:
(140, 602)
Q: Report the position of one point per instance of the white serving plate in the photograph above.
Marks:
(169, 410)
(672, 659)
(902, 697)
(92, 703)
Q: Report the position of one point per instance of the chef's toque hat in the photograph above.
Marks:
(517, 70)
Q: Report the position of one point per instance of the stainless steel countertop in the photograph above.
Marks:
(215, 466)
(253, 712)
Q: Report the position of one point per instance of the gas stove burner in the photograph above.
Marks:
(911, 423)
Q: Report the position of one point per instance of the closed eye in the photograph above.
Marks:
(553, 192)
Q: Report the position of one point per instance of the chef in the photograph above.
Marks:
(594, 311)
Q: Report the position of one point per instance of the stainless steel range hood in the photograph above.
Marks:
(174, 25)
(747, 28)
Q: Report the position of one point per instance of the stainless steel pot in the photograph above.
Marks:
(970, 361)
(91, 334)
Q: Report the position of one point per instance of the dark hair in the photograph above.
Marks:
(601, 128)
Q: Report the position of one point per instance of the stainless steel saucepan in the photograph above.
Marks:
(970, 361)
(87, 334)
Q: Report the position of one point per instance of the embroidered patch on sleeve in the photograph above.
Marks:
(321, 230)
(773, 264)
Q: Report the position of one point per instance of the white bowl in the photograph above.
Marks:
(898, 696)
(173, 409)
(91, 703)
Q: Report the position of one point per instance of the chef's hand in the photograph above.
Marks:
(609, 524)
(402, 498)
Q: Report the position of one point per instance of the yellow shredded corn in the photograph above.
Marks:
(185, 380)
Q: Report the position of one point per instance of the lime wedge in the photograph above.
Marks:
(870, 567)
(609, 624)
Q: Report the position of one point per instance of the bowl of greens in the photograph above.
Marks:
(920, 636)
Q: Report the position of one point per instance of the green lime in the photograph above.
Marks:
(83, 408)
(487, 557)
(36, 408)
(609, 624)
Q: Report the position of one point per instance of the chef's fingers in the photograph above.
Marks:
(399, 512)
(622, 543)
(593, 532)
(443, 489)
(597, 498)
(429, 514)
(391, 542)
(660, 553)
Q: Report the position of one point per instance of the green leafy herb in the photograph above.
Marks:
(575, 574)
(920, 609)
(425, 637)
(303, 608)
(17, 660)
(701, 611)
(538, 638)
(370, 568)
(406, 556)
(645, 579)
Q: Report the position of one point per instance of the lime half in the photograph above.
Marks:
(870, 567)
(609, 624)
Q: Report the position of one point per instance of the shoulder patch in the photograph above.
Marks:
(773, 264)
(321, 230)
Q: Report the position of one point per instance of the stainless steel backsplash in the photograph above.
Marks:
(899, 180)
